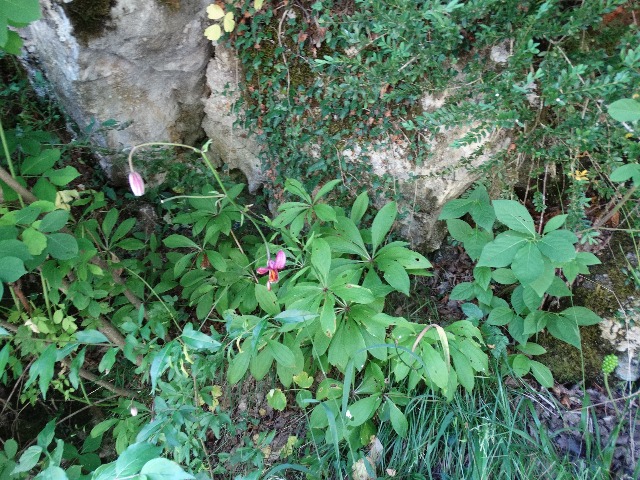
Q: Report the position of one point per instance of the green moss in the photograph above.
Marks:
(173, 5)
(565, 361)
(89, 18)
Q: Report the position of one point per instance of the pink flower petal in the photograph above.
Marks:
(136, 183)
(281, 258)
(262, 270)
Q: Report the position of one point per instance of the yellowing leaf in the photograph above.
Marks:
(257, 4)
(228, 22)
(213, 32)
(215, 12)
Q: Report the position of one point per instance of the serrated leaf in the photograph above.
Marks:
(501, 251)
(515, 216)
(54, 221)
(581, 315)
(62, 246)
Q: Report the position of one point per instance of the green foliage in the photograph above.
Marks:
(531, 263)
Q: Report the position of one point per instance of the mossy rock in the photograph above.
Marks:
(90, 18)
(565, 361)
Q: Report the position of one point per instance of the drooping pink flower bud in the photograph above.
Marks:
(136, 183)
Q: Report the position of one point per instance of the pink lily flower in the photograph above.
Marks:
(272, 268)
(136, 183)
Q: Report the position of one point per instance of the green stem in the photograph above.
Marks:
(613, 400)
(5, 148)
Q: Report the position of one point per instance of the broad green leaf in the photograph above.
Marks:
(501, 251)
(179, 241)
(91, 336)
(521, 365)
(267, 299)
(463, 369)
(527, 263)
(108, 359)
(544, 280)
(10, 446)
(197, 340)
(276, 399)
(353, 293)
(558, 245)
(436, 368)
(455, 208)
(531, 299)
(398, 420)
(581, 315)
(500, 316)
(625, 110)
(159, 364)
(54, 221)
(625, 172)
(531, 348)
(35, 241)
(463, 291)
(40, 163)
(359, 207)
(328, 316)
(14, 248)
(482, 276)
(558, 288)
(534, 322)
(42, 369)
(109, 222)
(459, 229)
(103, 426)
(347, 343)
(327, 187)
(282, 354)
(131, 461)
(11, 269)
(163, 469)
(321, 259)
(257, 4)
(62, 246)
(515, 216)
(382, 224)
(20, 11)
(295, 187)
(565, 329)
(555, 223)
(62, 176)
(397, 277)
(28, 460)
(238, 367)
(324, 212)
(542, 374)
(45, 437)
(481, 210)
(362, 410)
(52, 472)
(504, 276)
(261, 364)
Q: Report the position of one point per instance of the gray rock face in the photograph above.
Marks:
(144, 69)
(230, 144)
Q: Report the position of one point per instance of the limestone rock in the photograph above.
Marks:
(231, 144)
(141, 64)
